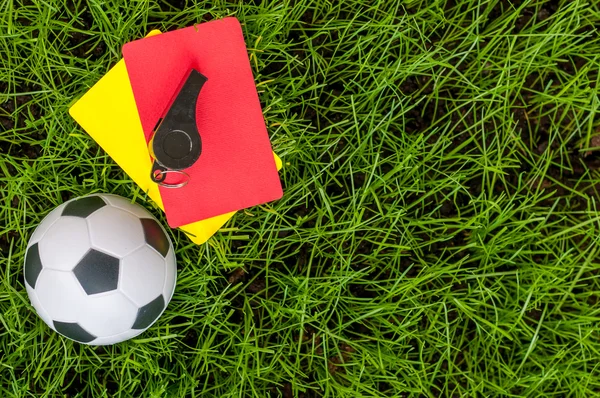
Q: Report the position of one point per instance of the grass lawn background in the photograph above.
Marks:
(439, 230)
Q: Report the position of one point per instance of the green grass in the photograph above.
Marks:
(439, 232)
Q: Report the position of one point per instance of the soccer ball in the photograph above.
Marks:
(99, 269)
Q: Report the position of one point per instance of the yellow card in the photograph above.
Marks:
(108, 113)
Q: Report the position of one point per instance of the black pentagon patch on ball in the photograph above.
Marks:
(155, 236)
(149, 313)
(33, 265)
(73, 331)
(83, 207)
(97, 272)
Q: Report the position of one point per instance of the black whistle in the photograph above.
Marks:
(176, 144)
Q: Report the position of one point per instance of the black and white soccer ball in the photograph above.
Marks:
(99, 269)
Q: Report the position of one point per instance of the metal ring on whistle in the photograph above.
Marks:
(161, 176)
(176, 144)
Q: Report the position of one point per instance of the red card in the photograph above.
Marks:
(236, 169)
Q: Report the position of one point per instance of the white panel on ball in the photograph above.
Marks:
(116, 338)
(171, 275)
(143, 275)
(124, 204)
(100, 317)
(65, 243)
(60, 295)
(46, 223)
(35, 301)
(115, 231)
